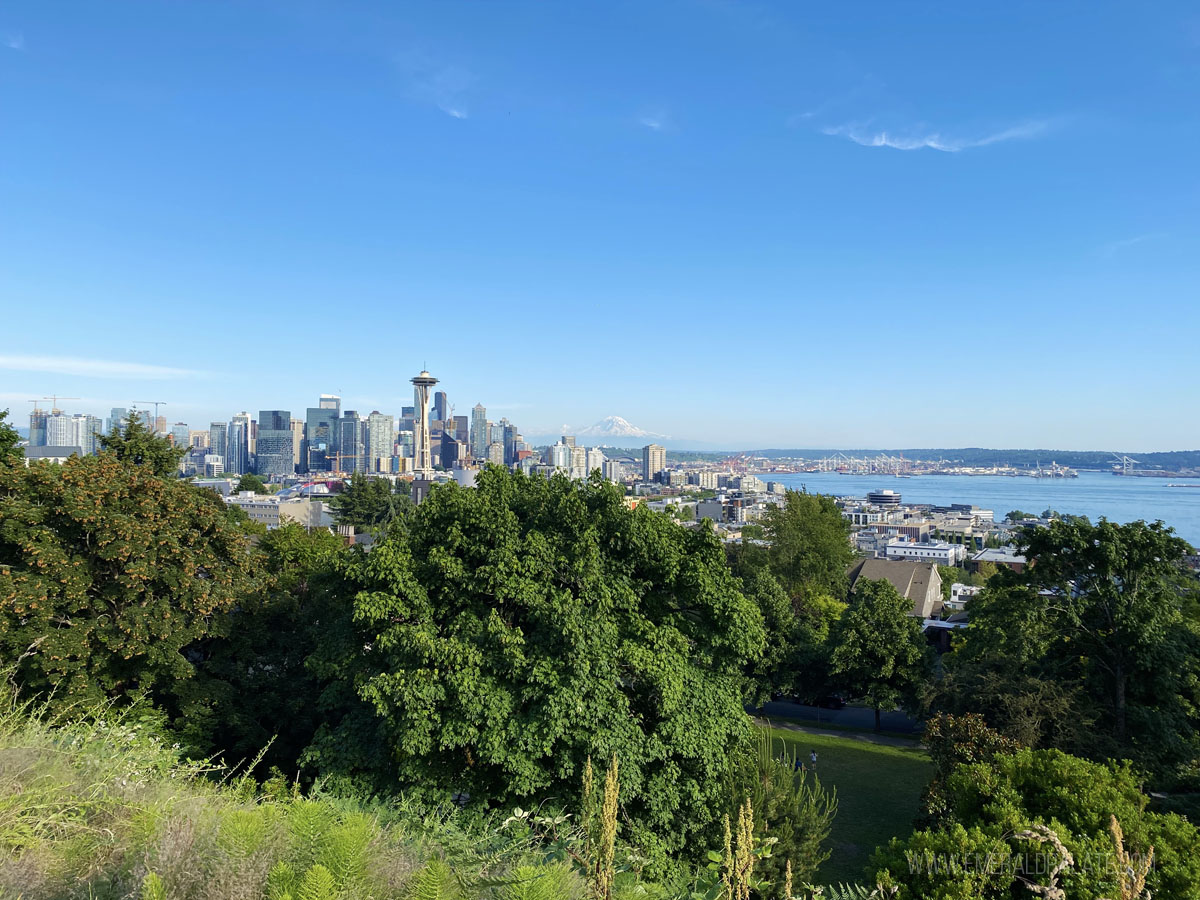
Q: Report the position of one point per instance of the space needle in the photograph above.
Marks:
(422, 452)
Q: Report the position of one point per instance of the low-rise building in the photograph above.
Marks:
(918, 582)
(939, 552)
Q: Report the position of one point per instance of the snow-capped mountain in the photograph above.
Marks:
(614, 427)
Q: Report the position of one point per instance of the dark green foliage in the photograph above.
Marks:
(255, 686)
(989, 803)
(110, 575)
(953, 741)
(9, 451)
(135, 444)
(1098, 630)
(810, 547)
(789, 805)
(878, 652)
(519, 627)
(368, 503)
(249, 482)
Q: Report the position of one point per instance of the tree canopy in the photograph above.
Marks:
(109, 574)
(10, 450)
(138, 445)
(367, 503)
(879, 653)
(1104, 619)
(516, 628)
(809, 544)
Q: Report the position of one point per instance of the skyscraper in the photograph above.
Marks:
(37, 427)
(237, 459)
(352, 452)
(218, 440)
(320, 443)
(654, 460)
(298, 443)
(441, 406)
(479, 435)
(181, 434)
(422, 452)
(118, 416)
(274, 458)
(381, 442)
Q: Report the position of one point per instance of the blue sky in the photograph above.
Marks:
(753, 224)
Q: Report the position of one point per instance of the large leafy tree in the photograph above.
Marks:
(878, 652)
(110, 576)
(368, 503)
(1102, 619)
(10, 452)
(137, 445)
(514, 629)
(809, 545)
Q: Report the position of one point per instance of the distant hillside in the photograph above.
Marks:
(981, 456)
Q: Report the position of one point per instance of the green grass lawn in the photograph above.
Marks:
(878, 790)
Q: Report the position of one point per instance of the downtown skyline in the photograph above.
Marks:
(893, 226)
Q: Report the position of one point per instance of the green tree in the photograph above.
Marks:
(138, 445)
(995, 804)
(505, 621)
(879, 653)
(249, 482)
(110, 576)
(1103, 613)
(810, 544)
(789, 805)
(368, 503)
(953, 741)
(10, 451)
(254, 686)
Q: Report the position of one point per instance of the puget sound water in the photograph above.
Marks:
(1118, 498)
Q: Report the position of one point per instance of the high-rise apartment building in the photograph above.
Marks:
(274, 445)
(612, 470)
(479, 435)
(118, 416)
(595, 460)
(180, 434)
(654, 460)
(495, 453)
(422, 451)
(559, 456)
(381, 442)
(37, 427)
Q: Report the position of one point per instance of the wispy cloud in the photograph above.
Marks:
(14, 40)
(934, 140)
(1116, 246)
(91, 368)
(444, 85)
(656, 120)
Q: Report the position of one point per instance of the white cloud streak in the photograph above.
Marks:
(861, 134)
(1115, 246)
(444, 86)
(92, 368)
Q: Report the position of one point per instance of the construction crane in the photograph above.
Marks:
(156, 404)
(55, 398)
(1122, 462)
